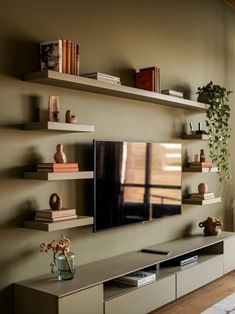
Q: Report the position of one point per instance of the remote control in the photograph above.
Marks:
(155, 251)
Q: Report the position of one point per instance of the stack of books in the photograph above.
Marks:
(55, 167)
(103, 77)
(48, 215)
(137, 278)
(171, 92)
(202, 196)
(60, 55)
(148, 79)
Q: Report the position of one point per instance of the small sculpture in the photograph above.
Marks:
(202, 188)
(210, 225)
(55, 201)
(70, 118)
(60, 157)
(53, 108)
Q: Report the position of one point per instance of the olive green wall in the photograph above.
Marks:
(191, 41)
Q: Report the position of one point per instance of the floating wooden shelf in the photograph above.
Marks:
(58, 176)
(90, 85)
(200, 169)
(59, 225)
(201, 202)
(203, 137)
(58, 126)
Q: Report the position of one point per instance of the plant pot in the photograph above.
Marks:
(203, 97)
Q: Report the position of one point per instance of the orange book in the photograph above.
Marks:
(68, 56)
(72, 58)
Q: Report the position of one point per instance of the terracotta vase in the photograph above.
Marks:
(60, 157)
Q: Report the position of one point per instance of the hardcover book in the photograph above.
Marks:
(48, 213)
(51, 55)
(148, 79)
(56, 167)
(137, 278)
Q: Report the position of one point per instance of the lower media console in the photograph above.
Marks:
(94, 290)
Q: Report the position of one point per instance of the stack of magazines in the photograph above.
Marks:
(137, 278)
(103, 77)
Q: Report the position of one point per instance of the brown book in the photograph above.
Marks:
(68, 56)
(48, 213)
(148, 79)
(145, 80)
(64, 61)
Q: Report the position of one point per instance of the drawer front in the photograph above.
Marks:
(229, 255)
(143, 299)
(88, 301)
(199, 275)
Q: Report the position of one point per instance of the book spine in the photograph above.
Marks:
(64, 58)
(68, 56)
(157, 83)
(60, 55)
(77, 58)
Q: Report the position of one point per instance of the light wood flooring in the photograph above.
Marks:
(201, 299)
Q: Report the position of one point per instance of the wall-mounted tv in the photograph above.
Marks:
(135, 182)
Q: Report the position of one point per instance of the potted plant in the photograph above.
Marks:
(219, 131)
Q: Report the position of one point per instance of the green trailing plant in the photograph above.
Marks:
(219, 131)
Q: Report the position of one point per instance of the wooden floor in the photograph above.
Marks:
(201, 299)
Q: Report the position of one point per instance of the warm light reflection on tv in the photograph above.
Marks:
(136, 182)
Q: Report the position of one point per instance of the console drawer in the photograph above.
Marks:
(143, 299)
(196, 276)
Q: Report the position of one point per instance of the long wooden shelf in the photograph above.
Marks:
(90, 85)
(59, 225)
(201, 202)
(58, 126)
(59, 176)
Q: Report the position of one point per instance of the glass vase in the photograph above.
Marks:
(66, 266)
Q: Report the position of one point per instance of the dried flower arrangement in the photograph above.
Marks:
(61, 246)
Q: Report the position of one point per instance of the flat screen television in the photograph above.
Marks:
(135, 182)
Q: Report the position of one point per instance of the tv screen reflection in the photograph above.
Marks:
(136, 182)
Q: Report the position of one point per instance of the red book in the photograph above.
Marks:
(149, 79)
